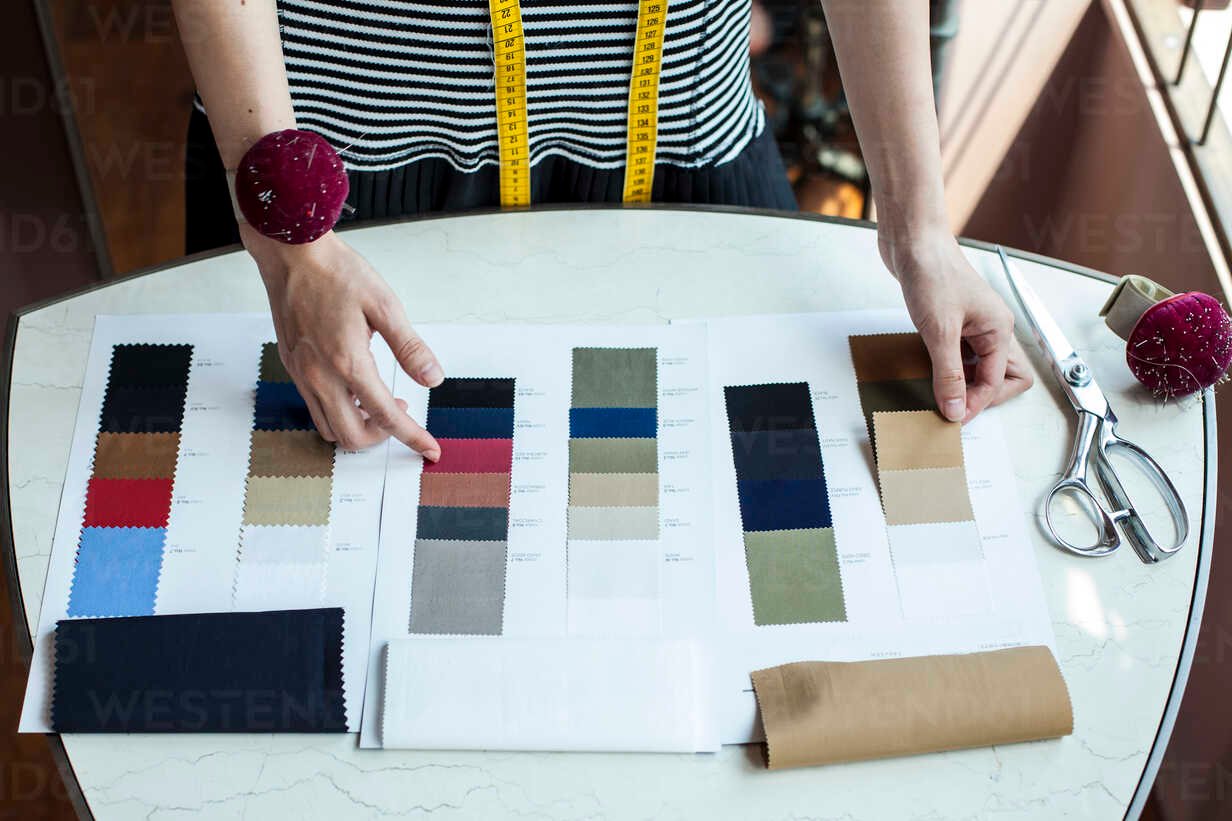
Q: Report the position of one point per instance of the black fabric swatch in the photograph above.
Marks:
(143, 410)
(278, 671)
(785, 406)
(776, 454)
(485, 524)
(149, 366)
(472, 393)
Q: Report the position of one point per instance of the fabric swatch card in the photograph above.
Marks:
(808, 565)
(197, 485)
(571, 503)
(461, 546)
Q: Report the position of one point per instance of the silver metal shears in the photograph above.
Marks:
(1095, 441)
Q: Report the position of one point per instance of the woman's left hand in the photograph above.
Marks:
(950, 305)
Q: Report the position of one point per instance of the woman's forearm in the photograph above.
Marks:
(883, 53)
(235, 54)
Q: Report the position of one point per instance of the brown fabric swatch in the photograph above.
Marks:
(281, 500)
(881, 357)
(917, 439)
(290, 453)
(818, 712)
(464, 490)
(136, 455)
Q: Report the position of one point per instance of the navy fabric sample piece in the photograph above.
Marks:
(776, 454)
(143, 410)
(470, 423)
(613, 423)
(134, 366)
(769, 407)
(489, 524)
(274, 672)
(280, 407)
(472, 393)
(784, 504)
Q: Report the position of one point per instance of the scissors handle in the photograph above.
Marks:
(1074, 483)
(1131, 523)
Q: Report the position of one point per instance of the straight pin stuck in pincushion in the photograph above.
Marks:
(291, 186)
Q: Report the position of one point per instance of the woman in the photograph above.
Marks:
(406, 90)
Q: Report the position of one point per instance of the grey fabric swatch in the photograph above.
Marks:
(458, 587)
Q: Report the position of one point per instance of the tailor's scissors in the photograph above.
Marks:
(1095, 440)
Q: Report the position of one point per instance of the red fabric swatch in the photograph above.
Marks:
(128, 502)
(473, 456)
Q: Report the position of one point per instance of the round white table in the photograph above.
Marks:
(1125, 632)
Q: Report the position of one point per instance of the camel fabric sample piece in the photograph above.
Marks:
(817, 712)
(290, 453)
(462, 522)
(130, 489)
(789, 542)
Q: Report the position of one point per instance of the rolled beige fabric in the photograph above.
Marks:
(817, 712)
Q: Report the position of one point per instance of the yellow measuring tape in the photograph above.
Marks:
(509, 51)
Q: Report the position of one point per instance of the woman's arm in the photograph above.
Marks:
(883, 53)
(326, 300)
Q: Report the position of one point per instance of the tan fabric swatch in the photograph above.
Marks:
(913, 497)
(818, 712)
(909, 440)
(281, 500)
(290, 453)
(136, 455)
(464, 489)
(879, 357)
(608, 523)
(614, 489)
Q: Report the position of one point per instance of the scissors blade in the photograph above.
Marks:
(1075, 377)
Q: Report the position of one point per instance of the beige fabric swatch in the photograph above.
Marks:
(282, 500)
(818, 712)
(608, 523)
(908, 440)
(913, 497)
(614, 489)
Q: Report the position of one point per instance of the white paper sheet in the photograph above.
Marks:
(962, 604)
(579, 694)
(669, 581)
(204, 531)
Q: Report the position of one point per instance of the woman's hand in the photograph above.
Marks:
(951, 305)
(327, 301)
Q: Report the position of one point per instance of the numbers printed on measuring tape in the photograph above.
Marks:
(509, 55)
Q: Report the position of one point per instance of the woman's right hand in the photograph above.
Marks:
(327, 301)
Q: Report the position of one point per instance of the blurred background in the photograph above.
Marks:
(1089, 130)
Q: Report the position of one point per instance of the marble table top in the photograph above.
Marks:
(1124, 631)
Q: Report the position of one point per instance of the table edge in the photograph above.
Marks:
(8, 547)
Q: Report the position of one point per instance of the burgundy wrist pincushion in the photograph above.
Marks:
(1180, 345)
(291, 186)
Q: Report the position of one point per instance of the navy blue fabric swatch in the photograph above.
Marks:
(151, 366)
(471, 423)
(273, 672)
(482, 524)
(784, 504)
(280, 407)
(776, 454)
(614, 423)
(472, 393)
(785, 406)
(142, 410)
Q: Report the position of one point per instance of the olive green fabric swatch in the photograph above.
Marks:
(615, 378)
(614, 455)
(272, 369)
(794, 576)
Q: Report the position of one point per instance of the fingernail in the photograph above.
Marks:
(953, 409)
(432, 455)
(432, 375)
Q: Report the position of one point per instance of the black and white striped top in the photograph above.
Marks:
(395, 81)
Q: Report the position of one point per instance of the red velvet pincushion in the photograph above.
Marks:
(291, 186)
(1181, 345)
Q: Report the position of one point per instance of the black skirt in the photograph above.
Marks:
(755, 178)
